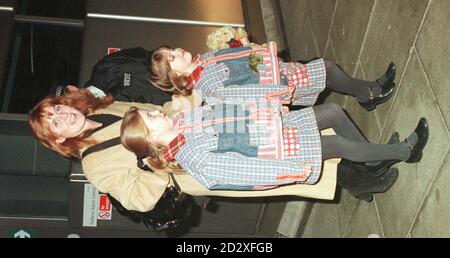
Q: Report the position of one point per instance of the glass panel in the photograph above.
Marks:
(41, 57)
(69, 9)
(6, 29)
(33, 196)
(20, 154)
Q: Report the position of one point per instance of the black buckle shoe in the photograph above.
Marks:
(422, 139)
(387, 89)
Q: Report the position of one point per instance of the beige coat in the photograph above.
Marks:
(114, 171)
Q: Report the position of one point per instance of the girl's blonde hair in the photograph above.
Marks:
(162, 76)
(135, 136)
(84, 101)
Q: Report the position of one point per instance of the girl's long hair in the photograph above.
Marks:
(135, 136)
(84, 101)
(162, 76)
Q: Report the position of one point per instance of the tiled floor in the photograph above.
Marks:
(363, 36)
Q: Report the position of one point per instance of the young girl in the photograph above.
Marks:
(230, 73)
(254, 145)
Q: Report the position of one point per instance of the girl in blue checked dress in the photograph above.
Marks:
(231, 73)
(257, 145)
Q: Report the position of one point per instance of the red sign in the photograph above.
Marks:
(104, 207)
(113, 50)
(104, 204)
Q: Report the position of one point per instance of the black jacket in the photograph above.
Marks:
(124, 75)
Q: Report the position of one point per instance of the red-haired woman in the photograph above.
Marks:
(72, 123)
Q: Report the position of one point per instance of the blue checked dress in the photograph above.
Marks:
(227, 75)
(245, 146)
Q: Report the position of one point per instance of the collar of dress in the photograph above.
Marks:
(174, 146)
(196, 74)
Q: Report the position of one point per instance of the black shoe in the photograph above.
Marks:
(422, 139)
(386, 181)
(381, 184)
(360, 183)
(383, 166)
(387, 85)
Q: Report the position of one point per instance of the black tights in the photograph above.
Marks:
(349, 143)
(338, 80)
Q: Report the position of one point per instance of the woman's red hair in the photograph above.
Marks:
(84, 101)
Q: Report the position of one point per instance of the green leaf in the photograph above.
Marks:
(254, 60)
